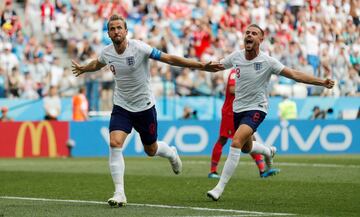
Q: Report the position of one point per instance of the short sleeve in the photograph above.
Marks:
(276, 66)
(227, 61)
(144, 48)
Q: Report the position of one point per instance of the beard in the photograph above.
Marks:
(117, 40)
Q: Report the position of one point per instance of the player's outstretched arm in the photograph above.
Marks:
(92, 66)
(185, 62)
(305, 78)
(213, 66)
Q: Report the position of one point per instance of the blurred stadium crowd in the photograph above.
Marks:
(38, 38)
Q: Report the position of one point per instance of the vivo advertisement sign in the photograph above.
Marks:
(198, 137)
(311, 137)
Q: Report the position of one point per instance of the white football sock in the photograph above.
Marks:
(229, 167)
(117, 168)
(164, 150)
(258, 148)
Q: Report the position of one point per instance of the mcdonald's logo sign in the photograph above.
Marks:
(38, 139)
(35, 134)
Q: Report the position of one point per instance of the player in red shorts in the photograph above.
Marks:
(227, 132)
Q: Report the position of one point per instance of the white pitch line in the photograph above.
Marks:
(291, 164)
(248, 213)
(242, 215)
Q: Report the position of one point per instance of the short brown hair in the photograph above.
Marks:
(116, 17)
(258, 27)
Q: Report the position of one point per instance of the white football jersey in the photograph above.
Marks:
(252, 79)
(132, 75)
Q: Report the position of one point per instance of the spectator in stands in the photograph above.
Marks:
(8, 13)
(184, 82)
(141, 29)
(4, 115)
(156, 83)
(8, 60)
(68, 84)
(48, 17)
(62, 25)
(19, 48)
(219, 85)
(258, 13)
(169, 86)
(47, 51)
(107, 86)
(39, 73)
(80, 105)
(355, 58)
(29, 88)
(93, 88)
(291, 55)
(15, 82)
(351, 83)
(56, 72)
(33, 15)
(341, 64)
(312, 47)
(104, 9)
(52, 104)
(202, 84)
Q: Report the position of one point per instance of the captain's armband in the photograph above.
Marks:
(155, 54)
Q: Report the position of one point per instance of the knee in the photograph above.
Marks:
(150, 150)
(237, 143)
(115, 143)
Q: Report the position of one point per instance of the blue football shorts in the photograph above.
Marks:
(251, 118)
(144, 122)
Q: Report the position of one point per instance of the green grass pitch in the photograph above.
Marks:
(309, 185)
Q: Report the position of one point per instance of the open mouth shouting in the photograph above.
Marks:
(249, 42)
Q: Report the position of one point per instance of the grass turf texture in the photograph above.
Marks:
(306, 186)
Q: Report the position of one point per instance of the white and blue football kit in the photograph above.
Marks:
(251, 86)
(133, 99)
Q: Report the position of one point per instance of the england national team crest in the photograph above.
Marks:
(130, 61)
(257, 66)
